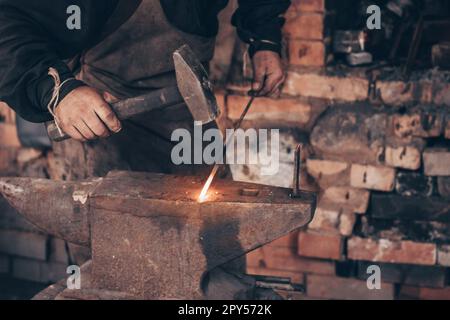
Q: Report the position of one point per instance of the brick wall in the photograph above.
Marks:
(380, 166)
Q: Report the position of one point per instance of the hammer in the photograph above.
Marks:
(193, 88)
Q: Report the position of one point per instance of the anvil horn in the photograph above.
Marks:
(56, 207)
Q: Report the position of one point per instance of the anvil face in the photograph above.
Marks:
(152, 238)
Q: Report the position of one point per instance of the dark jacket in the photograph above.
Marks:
(34, 37)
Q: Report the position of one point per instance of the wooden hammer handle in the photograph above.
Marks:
(125, 109)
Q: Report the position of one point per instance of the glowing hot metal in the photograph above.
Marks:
(204, 194)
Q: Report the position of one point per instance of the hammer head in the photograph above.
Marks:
(194, 85)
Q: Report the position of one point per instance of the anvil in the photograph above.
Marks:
(149, 236)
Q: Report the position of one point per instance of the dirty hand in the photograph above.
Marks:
(84, 115)
(269, 74)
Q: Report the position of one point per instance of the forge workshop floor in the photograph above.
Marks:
(14, 289)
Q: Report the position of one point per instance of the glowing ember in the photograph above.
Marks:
(204, 194)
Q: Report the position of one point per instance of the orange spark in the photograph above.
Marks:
(204, 194)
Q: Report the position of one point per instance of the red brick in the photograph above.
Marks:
(8, 135)
(308, 5)
(325, 220)
(222, 120)
(394, 93)
(405, 157)
(407, 252)
(333, 221)
(326, 287)
(346, 198)
(444, 255)
(329, 173)
(305, 26)
(397, 93)
(413, 275)
(418, 124)
(271, 110)
(436, 162)
(309, 53)
(288, 241)
(326, 87)
(318, 245)
(434, 293)
(347, 222)
(372, 177)
(221, 102)
(286, 259)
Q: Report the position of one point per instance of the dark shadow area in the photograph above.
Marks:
(13, 289)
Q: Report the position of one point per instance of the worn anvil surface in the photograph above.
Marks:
(149, 235)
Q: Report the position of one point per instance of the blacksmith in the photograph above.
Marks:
(123, 49)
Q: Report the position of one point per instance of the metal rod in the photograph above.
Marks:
(203, 194)
(297, 171)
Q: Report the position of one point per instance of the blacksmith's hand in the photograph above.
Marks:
(84, 115)
(269, 74)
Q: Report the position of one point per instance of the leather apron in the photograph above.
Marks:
(137, 57)
(133, 60)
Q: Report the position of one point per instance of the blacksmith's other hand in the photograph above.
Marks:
(269, 74)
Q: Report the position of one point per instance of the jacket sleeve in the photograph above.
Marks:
(259, 23)
(26, 54)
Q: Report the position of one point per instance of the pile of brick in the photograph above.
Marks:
(25, 252)
(378, 156)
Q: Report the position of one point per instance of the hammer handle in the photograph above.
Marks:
(125, 109)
